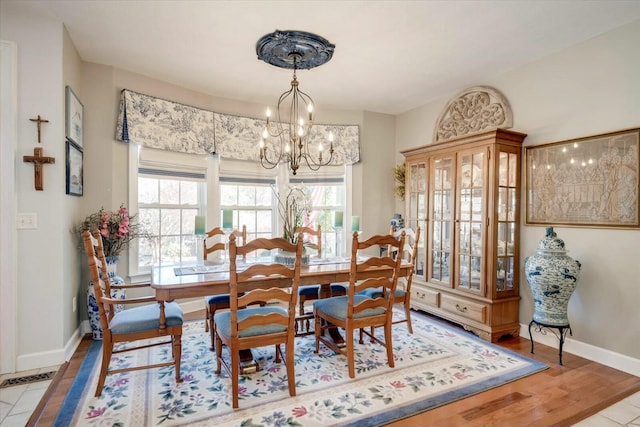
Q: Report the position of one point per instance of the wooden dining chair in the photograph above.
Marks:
(158, 319)
(240, 329)
(309, 292)
(212, 303)
(357, 311)
(403, 290)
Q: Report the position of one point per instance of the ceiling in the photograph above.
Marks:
(390, 56)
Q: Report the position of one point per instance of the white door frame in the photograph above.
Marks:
(8, 242)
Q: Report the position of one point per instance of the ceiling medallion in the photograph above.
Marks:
(287, 139)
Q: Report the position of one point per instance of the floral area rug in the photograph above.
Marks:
(436, 365)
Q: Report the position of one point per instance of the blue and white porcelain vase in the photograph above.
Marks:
(552, 276)
(92, 306)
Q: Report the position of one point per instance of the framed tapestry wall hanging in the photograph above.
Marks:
(585, 182)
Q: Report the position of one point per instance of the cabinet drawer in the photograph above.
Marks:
(470, 310)
(424, 296)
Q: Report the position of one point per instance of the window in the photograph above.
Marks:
(170, 193)
(327, 196)
(252, 203)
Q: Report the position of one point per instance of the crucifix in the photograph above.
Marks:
(38, 160)
(39, 121)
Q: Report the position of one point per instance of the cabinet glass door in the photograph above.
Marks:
(441, 220)
(416, 213)
(508, 171)
(471, 220)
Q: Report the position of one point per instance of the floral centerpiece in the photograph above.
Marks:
(293, 209)
(118, 229)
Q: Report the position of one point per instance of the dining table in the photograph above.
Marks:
(173, 282)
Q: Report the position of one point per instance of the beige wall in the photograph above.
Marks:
(588, 89)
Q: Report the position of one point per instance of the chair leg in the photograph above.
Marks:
(206, 320)
(291, 371)
(235, 373)
(218, 352)
(210, 312)
(388, 343)
(351, 360)
(407, 313)
(318, 331)
(107, 348)
(177, 355)
(278, 354)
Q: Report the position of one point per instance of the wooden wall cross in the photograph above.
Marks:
(38, 160)
(39, 121)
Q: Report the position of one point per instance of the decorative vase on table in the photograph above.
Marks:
(92, 306)
(552, 276)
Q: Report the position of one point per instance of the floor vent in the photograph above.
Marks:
(28, 379)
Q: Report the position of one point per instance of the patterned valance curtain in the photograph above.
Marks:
(167, 125)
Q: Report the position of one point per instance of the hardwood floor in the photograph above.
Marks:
(558, 396)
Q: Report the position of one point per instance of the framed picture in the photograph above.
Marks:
(585, 182)
(75, 180)
(74, 116)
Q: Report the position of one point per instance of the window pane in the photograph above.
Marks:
(151, 219)
(169, 191)
(189, 192)
(147, 190)
(229, 195)
(264, 196)
(246, 196)
(170, 222)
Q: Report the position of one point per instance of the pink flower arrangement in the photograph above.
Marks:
(117, 229)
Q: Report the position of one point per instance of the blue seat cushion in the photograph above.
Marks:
(145, 318)
(377, 293)
(337, 307)
(339, 287)
(217, 299)
(312, 290)
(223, 322)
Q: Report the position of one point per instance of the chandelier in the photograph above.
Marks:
(287, 138)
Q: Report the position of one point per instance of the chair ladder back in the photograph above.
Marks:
(388, 278)
(216, 246)
(242, 235)
(99, 275)
(239, 282)
(317, 233)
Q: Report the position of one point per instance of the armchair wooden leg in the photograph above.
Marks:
(278, 354)
(107, 348)
(318, 331)
(235, 372)
(218, 353)
(350, 354)
(177, 355)
(389, 344)
(206, 319)
(407, 313)
(291, 374)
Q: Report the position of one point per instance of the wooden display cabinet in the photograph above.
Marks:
(465, 194)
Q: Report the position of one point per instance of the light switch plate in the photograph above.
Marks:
(27, 221)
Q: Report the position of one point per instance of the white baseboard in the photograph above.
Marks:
(605, 357)
(45, 359)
